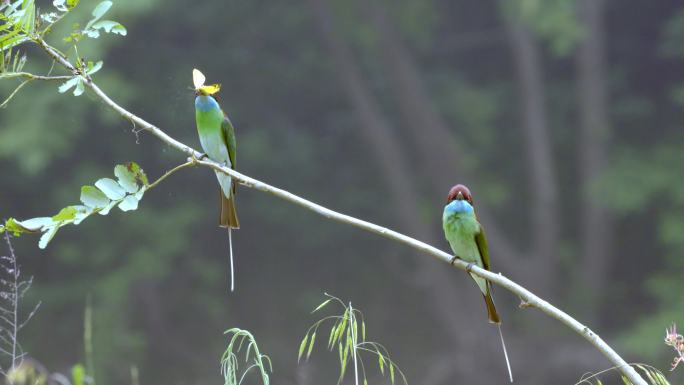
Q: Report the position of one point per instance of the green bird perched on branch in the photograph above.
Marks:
(466, 236)
(217, 137)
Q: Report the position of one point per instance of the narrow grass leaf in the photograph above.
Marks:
(321, 305)
(311, 345)
(302, 346)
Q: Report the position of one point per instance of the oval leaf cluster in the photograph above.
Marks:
(125, 192)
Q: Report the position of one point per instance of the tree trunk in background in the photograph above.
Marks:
(540, 162)
(431, 136)
(375, 129)
(440, 283)
(596, 223)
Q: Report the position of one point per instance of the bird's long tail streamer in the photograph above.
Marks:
(503, 344)
(232, 271)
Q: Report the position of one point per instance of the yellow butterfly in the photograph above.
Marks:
(198, 80)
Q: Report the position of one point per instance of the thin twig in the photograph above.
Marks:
(20, 86)
(170, 172)
(30, 76)
(530, 298)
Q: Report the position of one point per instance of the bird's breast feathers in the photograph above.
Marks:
(460, 228)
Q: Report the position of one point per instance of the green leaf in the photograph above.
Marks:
(111, 188)
(60, 5)
(331, 338)
(321, 305)
(138, 172)
(78, 374)
(68, 84)
(110, 26)
(92, 33)
(381, 363)
(82, 212)
(343, 360)
(127, 179)
(302, 346)
(93, 197)
(129, 203)
(13, 226)
(47, 236)
(93, 67)
(140, 193)
(391, 368)
(101, 9)
(27, 21)
(35, 224)
(80, 87)
(49, 17)
(66, 214)
(105, 210)
(72, 3)
(12, 39)
(311, 345)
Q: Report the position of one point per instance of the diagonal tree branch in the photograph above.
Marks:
(530, 298)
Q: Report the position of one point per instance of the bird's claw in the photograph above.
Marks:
(469, 267)
(524, 304)
(453, 259)
(202, 156)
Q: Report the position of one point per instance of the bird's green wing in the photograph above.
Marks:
(229, 133)
(481, 242)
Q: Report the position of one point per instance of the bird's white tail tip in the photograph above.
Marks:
(232, 270)
(508, 363)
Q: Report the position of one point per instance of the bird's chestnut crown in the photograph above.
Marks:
(460, 192)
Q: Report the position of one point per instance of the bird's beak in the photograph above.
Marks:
(459, 196)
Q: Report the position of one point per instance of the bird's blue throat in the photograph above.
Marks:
(458, 207)
(205, 103)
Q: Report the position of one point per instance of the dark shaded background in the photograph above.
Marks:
(562, 116)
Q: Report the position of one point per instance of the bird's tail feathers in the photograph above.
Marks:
(492, 314)
(228, 217)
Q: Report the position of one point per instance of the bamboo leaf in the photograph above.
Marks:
(302, 346)
(311, 345)
(321, 305)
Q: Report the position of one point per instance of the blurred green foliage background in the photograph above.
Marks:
(563, 116)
